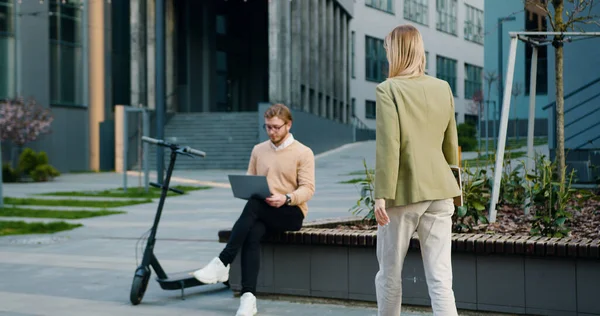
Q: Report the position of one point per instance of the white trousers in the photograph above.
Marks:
(433, 222)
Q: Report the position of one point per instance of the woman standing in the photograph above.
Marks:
(416, 142)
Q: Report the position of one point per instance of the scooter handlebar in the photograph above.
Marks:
(152, 140)
(186, 149)
(193, 151)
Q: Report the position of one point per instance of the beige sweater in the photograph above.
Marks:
(289, 171)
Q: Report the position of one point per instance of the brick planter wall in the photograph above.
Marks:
(521, 274)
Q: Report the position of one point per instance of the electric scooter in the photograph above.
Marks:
(174, 281)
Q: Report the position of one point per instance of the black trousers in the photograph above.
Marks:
(256, 220)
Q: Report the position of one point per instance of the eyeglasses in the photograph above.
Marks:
(273, 127)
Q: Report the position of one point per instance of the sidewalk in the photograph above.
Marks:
(88, 271)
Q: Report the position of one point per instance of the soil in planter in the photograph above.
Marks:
(511, 220)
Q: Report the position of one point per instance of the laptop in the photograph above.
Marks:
(247, 187)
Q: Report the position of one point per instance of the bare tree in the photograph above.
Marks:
(490, 77)
(476, 107)
(517, 90)
(561, 20)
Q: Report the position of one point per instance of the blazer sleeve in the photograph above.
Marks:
(387, 143)
(450, 143)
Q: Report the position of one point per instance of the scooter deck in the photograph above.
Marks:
(179, 280)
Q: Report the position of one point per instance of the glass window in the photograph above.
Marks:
(473, 24)
(383, 5)
(66, 52)
(376, 65)
(447, 11)
(370, 110)
(417, 11)
(7, 49)
(473, 80)
(446, 70)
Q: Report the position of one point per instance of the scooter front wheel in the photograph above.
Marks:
(139, 285)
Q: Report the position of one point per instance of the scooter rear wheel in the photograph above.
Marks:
(139, 285)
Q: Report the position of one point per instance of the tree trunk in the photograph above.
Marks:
(560, 113)
(560, 102)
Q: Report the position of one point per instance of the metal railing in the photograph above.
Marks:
(358, 123)
(552, 105)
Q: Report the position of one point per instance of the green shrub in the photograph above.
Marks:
(36, 165)
(366, 202)
(476, 198)
(513, 185)
(44, 172)
(549, 198)
(9, 174)
(28, 160)
(467, 136)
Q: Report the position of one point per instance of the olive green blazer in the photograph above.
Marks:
(416, 141)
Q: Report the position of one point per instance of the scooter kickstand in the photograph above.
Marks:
(181, 283)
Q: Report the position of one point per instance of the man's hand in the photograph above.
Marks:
(381, 213)
(276, 200)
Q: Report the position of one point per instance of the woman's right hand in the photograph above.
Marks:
(380, 213)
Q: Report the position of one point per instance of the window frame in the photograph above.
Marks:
(449, 16)
(10, 71)
(417, 7)
(59, 44)
(441, 65)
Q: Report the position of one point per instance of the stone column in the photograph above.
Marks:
(344, 53)
(276, 42)
(306, 70)
(337, 62)
(171, 65)
(137, 21)
(315, 73)
(297, 67)
(150, 55)
(207, 57)
(96, 81)
(323, 44)
(285, 53)
(330, 57)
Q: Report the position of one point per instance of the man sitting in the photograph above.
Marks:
(290, 170)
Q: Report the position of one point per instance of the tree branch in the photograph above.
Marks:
(580, 7)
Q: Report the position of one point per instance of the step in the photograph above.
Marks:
(227, 139)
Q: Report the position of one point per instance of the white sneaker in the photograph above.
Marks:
(213, 272)
(247, 305)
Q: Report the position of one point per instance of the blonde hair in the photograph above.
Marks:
(405, 52)
(279, 110)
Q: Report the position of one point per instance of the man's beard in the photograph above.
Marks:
(280, 139)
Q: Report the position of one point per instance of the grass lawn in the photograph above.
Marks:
(132, 192)
(74, 203)
(359, 172)
(352, 181)
(39, 213)
(491, 158)
(513, 143)
(23, 228)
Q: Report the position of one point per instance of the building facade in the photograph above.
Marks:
(500, 19)
(580, 81)
(58, 52)
(453, 32)
(81, 58)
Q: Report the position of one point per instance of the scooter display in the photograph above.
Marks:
(175, 281)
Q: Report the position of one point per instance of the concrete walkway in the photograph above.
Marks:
(88, 271)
